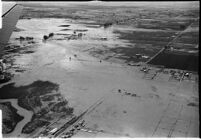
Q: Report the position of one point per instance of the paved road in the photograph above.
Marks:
(172, 41)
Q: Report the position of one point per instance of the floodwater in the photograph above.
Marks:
(84, 79)
(50, 61)
(22, 112)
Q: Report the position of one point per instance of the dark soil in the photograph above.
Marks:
(159, 38)
(12, 118)
(177, 60)
(31, 126)
(32, 91)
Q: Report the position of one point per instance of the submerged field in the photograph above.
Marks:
(90, 57)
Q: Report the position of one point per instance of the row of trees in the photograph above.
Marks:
(45, 37)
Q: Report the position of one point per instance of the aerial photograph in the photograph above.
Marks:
(99, 69)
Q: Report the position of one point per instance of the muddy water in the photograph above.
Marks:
(52, 57)
(22, 112)
(50, 61)
(84, 79)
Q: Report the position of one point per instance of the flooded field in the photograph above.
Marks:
(83, 74)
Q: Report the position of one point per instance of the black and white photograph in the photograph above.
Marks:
(99, 69)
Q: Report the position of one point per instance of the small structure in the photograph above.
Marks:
(107, 24)
(166, 47)
(2, 66)
(187, 74)
(29, 38)
(53, 131)
(171, 49)
(103, 38)
(138, 56)
(145, 56)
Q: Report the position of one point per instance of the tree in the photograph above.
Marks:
(182, 27)
(45, 37)
(51, 34)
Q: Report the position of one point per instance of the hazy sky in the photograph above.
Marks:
(178, 4)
